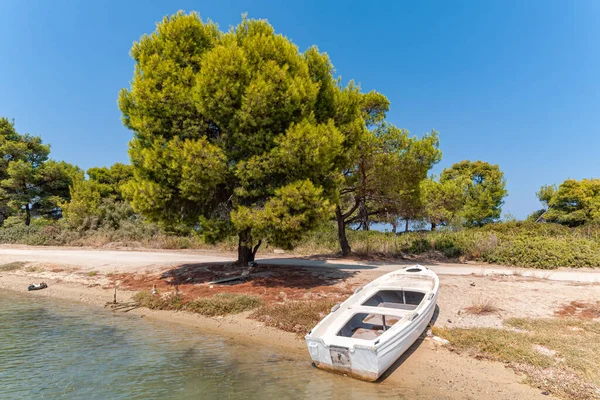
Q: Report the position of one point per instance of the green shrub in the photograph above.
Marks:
(14, 221)
(31, 235)
(419, 246)
(448, 246)
(546, 252)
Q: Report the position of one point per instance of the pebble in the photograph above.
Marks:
(440, 340)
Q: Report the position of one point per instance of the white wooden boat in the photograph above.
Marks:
(367, 333)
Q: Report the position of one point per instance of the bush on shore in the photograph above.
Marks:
(519, 244)
(297, 316)
(129, 233)
(219, 304)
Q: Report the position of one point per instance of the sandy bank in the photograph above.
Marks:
(427, 368)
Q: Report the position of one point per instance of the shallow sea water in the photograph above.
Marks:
(51, 349)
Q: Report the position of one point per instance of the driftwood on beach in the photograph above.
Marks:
(123, 307)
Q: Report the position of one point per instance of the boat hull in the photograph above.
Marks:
(367, 364)
(333, 348)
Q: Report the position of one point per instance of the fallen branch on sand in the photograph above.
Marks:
(123, 307)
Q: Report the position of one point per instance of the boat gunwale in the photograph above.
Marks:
(381, 342)
(397, 330)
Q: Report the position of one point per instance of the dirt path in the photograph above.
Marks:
(107, 261)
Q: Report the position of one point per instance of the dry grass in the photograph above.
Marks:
(34, 269)
(13, 266)
(219, 304)
(155, 302)
(482, 307)
(223, 304)
(558, 355)
(579, 309)
(297, 316)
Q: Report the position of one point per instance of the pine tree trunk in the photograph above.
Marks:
(433, 225)
(394, 227)
(363, 215)
(406, 226)
(27, 215)
(344, 245)
(245, 252)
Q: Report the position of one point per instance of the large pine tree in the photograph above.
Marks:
(236, 132)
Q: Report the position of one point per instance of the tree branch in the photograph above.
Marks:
(351, 211)
(368, 214)
(256, 248)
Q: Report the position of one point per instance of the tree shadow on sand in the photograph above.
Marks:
(316, 261)
(264, 275)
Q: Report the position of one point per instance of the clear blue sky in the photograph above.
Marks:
(509, 82)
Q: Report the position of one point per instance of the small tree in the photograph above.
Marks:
(28, 180)
(86, 198)
(97, 201)
(574, 203)
(384, 179)
(484, 191)
(544, 195)
(111, 180)
(442, 201)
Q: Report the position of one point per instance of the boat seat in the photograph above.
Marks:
(366, 334)
(377, 319)
(408, 307)
(399, 299)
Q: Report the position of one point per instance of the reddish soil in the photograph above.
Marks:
(580, 310)
(273, 283)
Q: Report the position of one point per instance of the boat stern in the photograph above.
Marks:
(357, 362)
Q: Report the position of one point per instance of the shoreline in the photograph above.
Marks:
(233, 327)
(427, 367)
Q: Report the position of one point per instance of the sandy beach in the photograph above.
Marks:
(89, 277)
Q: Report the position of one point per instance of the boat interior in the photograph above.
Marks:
(368, 326)
(399, 299)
